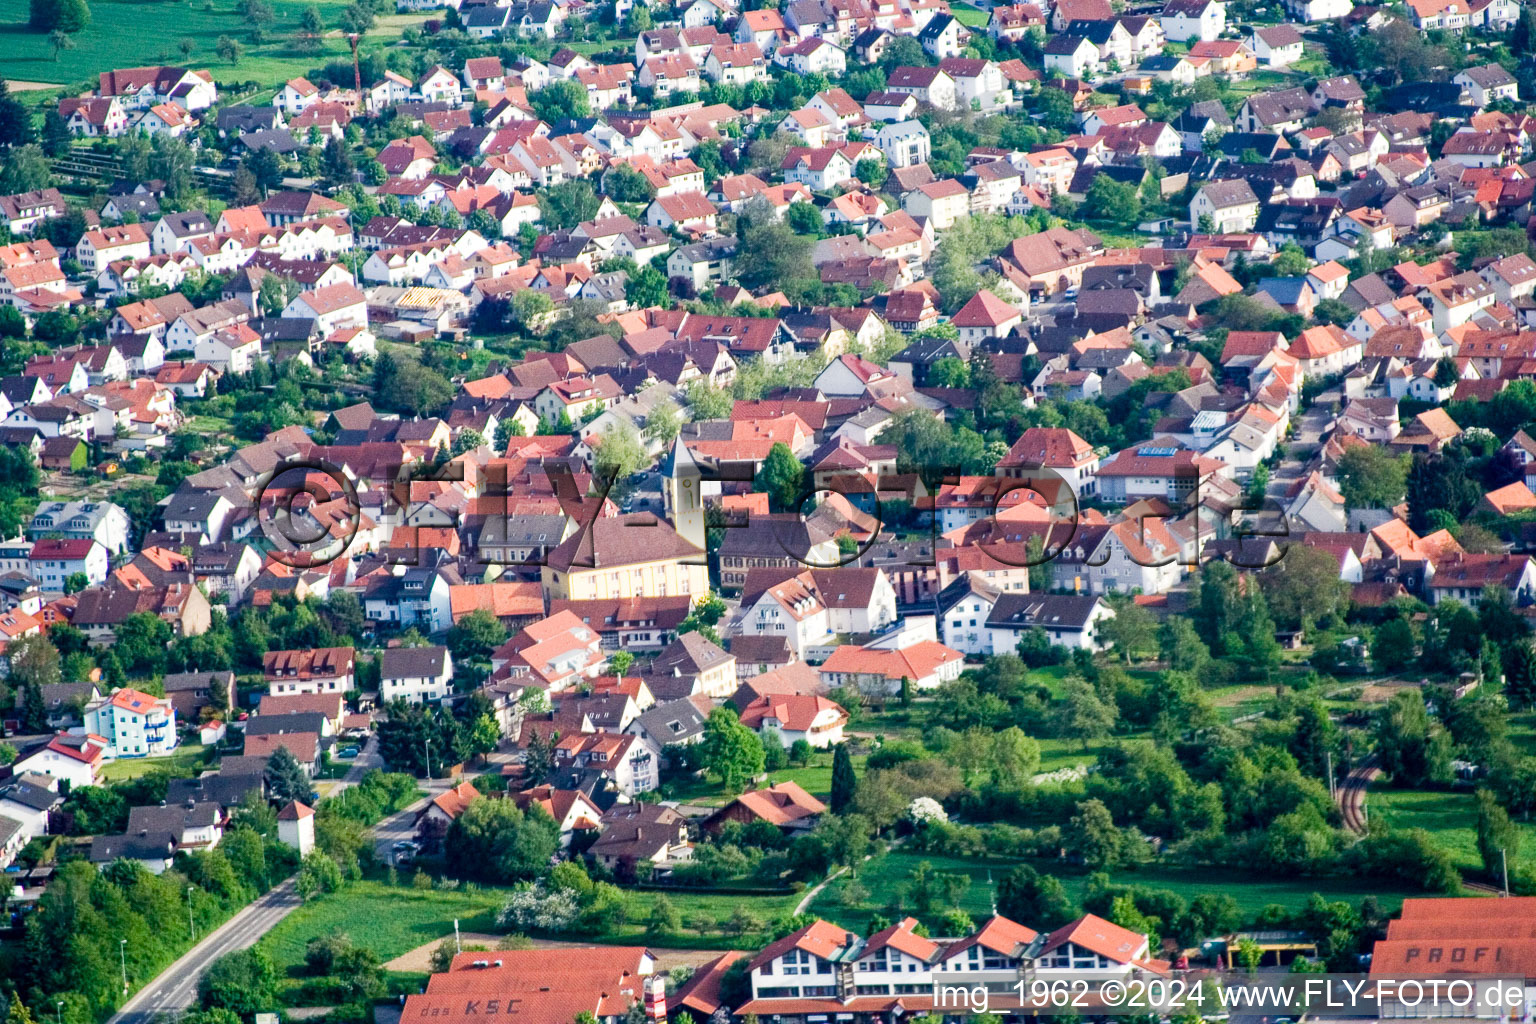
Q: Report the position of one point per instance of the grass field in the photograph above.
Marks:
(125, 33)
(815, 778)
(189, 757)
(390, 921)
(970, 17)
(886, 880)
(395, 920)
(1451, 818)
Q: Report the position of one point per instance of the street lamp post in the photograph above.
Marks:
(191, 924)
(122, 955)
(58, 1009)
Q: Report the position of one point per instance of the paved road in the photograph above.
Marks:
(367, 759)
(176, 987)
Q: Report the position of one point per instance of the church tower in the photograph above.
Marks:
(683, 490)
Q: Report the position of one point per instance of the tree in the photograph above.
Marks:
(1304, 588)
(844, 781)
(1085, 716)
(318, 875)
(18, 1013)
(494, 841)
(569, 203)
(1092, 836)
(1438, 483)
(531, 308)
(708, 402)
(484, 734)
(782, 478)
(26, 169)
(34, 662)
(1115, 201)
(1314, 739)
(770, 253)
(414, 388)
(619, 453)
(805, 219)
(67, 16)
(338, 162)
(1130, 631)
(310, 21)
(286, 779)
(1498, 840)
(476, 635)
(243, 982)
(627, 185)
(1371, 477)
(1412, 749)
(230, 49)
(1393, 647)
(16, 120)
(664, 423)
(1025, 894)
(664, 918)
(355, 19)
(1519, 675)
(731, 750)
(563, 100)
(60, 41)
(646, 288)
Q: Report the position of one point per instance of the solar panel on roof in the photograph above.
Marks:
(1156, 453)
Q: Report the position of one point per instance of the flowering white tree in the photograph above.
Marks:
(533, 907)
(925, 809)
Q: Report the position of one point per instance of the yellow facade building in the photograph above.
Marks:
(636, 555)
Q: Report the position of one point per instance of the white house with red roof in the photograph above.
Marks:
(1091, 946)
(986, 316)
(296, 96)
(1158, 468)
(684, 211)
(134, 723)
(850, 376)
(797, 716)
(556, 653)
(943, 202)
(332, 307)
(54, 560)
(1057, 449)
(823, 972)
(75, 758)
(927, 664)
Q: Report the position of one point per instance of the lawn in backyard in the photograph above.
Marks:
(815, 778)
(188, 759)
(1450, 817)
(886, 879)
(124, 33)
(970, 17)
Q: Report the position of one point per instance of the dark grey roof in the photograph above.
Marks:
(676, 721)
(172, 818)
(1050, 611)
(413, 662)
(935, 27)
(298, 721)
(142, 203)
(38, 798)
(176, 681)
(134, 846)
(226, 790)
(245, 118)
